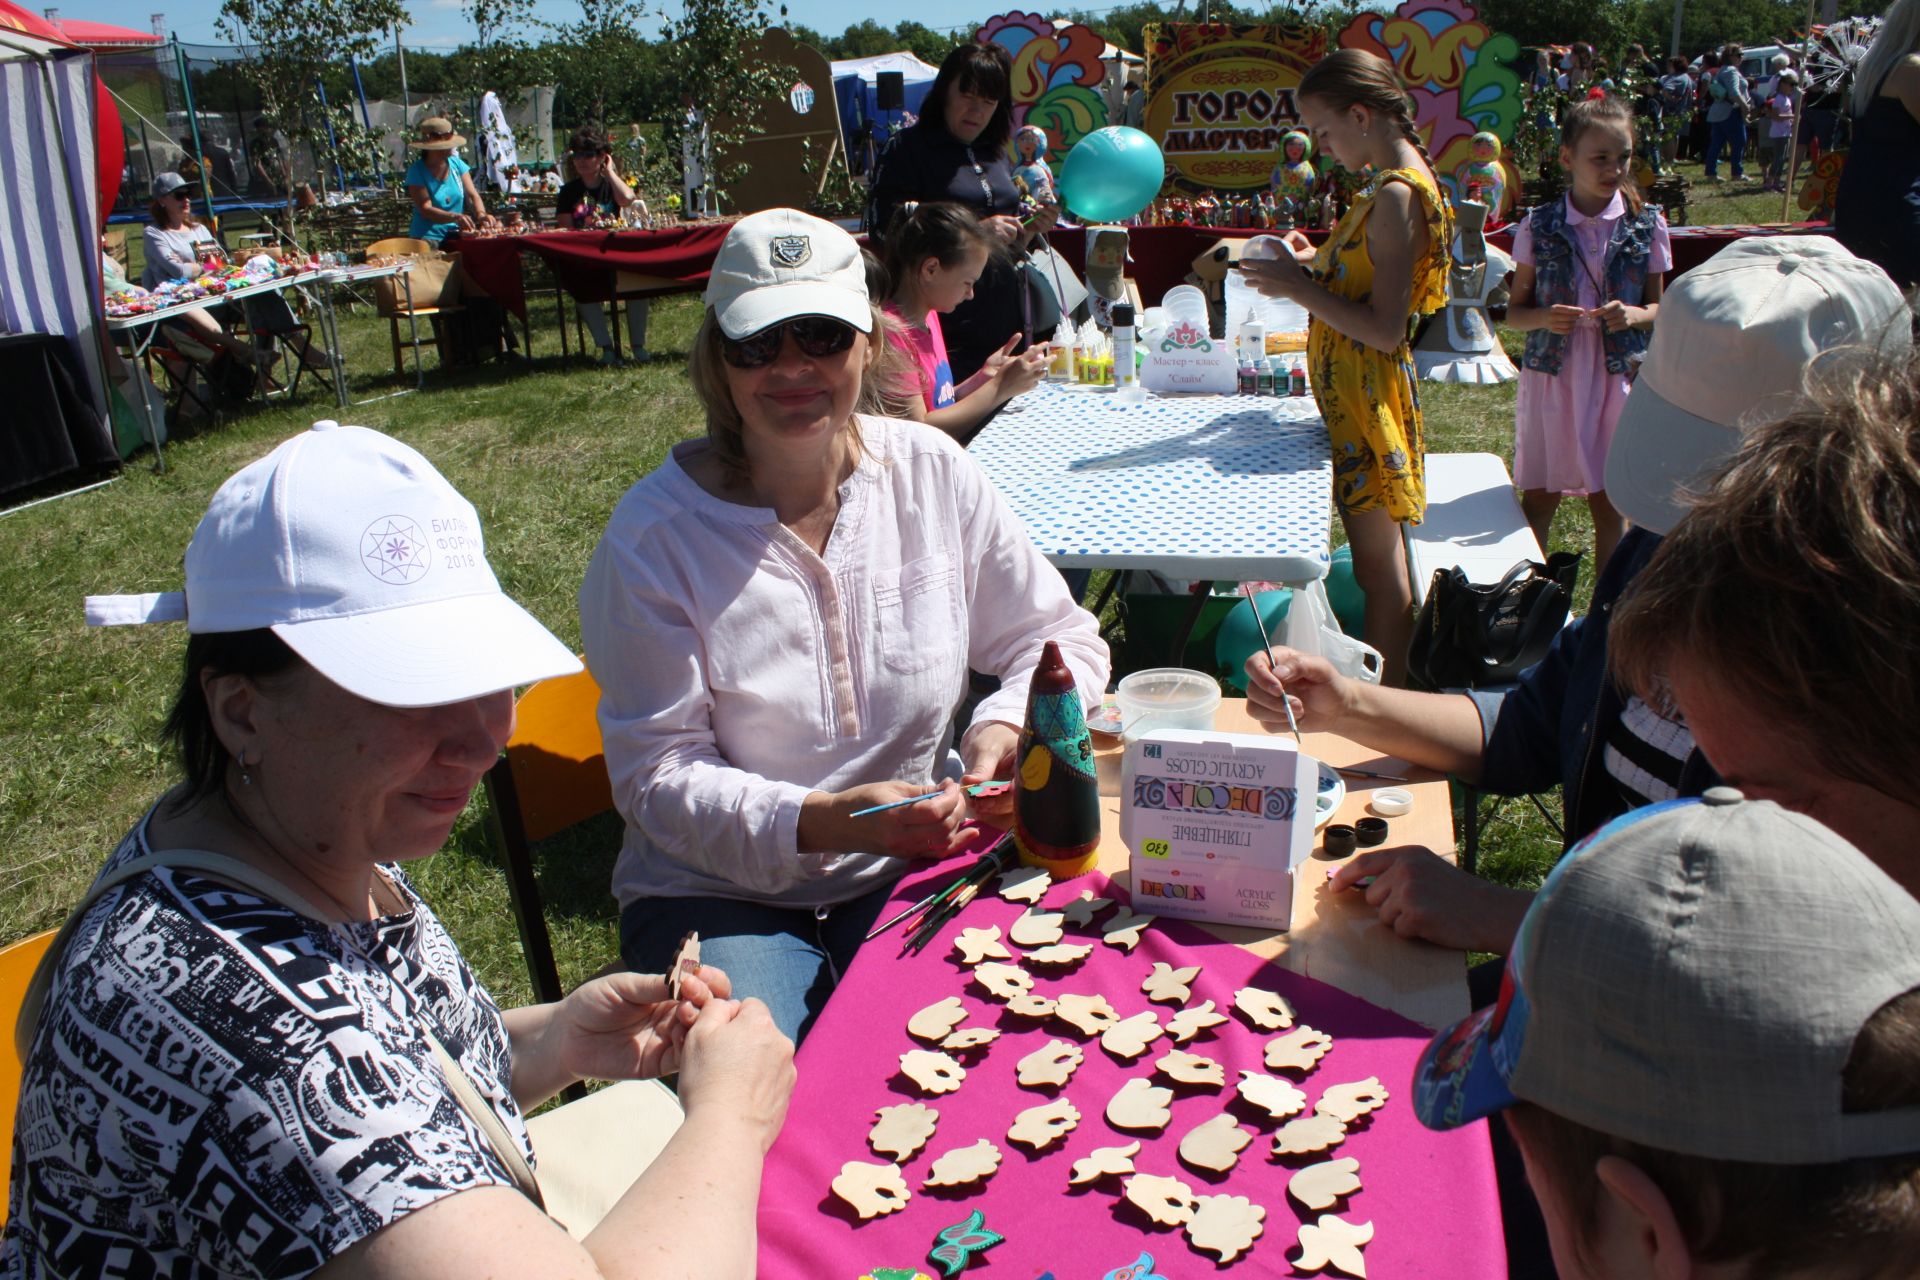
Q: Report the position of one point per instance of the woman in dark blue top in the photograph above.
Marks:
(958, 152)
(1877, 211)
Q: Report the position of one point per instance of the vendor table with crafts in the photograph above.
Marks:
(317, 286)
(1322, 1073)
(595, 266)
(1230, 488)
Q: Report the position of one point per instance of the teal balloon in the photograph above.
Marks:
(1344, 594)
(1112, 174)
(1239, 639)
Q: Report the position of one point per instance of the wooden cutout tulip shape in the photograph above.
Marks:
(1277, 1097)
(1103, 1162)
(1123, 931)
(1140, 1105)
(1225, 1225)
(1215, 1144)
(1352, 1100)
(1334, 1242)
(1081, 911)
(902, 1130)
(1089, 1015)
(1168, 985)
(1036, 928)
(975, 945)
(872, 1189)
(1040, 1127)
(932, 1072)
(1182, 1067)
(1308, 1134)
(934, 1022)
(1167, 1201)
(1266, 1010)
(1323, 1185)
(1002, 981)
(964, 1165)
(1299, 1050)
(1024, 884)
(1129, 1038)
(1188, 1023)
(1051, 1065)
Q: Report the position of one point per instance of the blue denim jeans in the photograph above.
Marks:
(789, 957)
(1730, 134)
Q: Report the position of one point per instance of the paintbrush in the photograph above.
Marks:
(938, 918)
(972, 789)
(988, 861)
(1267, 644)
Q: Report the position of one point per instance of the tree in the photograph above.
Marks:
(293, 44)
(722, 78)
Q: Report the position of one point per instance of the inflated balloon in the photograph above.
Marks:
(1344, 594)
(1239, 637)
(1112, 174)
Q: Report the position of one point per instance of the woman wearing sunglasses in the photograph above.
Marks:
(781, 619)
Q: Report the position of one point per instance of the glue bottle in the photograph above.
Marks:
(1061, 368)
(1124, 374)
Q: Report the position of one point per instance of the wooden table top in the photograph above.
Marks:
(1335, 938)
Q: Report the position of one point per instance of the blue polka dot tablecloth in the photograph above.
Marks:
(1224, 487)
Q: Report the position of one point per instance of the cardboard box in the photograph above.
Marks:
(1216, 824)
(434, 280)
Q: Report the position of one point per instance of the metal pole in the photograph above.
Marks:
(333, 143)
(1793, 141)
(1679, 12)
(193, 121)
(406, 108)
(366, 118)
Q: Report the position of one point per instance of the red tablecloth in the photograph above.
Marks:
(1430, 1196)
(1162, 256)
(585, 261)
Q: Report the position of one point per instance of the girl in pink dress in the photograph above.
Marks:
(1586, 288)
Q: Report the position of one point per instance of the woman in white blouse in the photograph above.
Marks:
(782, 618)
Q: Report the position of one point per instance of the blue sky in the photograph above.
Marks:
(438, 23)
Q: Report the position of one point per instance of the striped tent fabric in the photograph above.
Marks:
(50, 277)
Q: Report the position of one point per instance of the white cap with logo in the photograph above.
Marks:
(358, 554)
(781, 264)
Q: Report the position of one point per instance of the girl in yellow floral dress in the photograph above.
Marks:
(1383, 266)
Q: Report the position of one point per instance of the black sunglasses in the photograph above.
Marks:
(816, 336)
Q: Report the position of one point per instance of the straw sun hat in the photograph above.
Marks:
(436, 134)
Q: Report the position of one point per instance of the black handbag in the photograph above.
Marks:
(1471, 635)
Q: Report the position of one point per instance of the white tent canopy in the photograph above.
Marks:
(869, 69)
(49, 223)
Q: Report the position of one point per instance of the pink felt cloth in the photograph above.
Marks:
(1430, 1196)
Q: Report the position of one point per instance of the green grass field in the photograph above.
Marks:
(544, 448)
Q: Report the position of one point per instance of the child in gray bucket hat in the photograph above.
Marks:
(1707, 1047)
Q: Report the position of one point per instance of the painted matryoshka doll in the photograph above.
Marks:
(1294, 178)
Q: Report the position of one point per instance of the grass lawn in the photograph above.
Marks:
(544, 448)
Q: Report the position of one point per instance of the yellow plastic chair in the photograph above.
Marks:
(552, 775)
(17, 964)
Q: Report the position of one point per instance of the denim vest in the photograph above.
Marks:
(1556, 281)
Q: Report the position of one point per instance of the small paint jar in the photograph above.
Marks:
(1338, 840)
(1370, 832)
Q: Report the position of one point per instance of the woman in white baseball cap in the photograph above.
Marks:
(254, 1050)
(782, 618)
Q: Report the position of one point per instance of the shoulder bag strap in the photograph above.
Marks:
(235, 872)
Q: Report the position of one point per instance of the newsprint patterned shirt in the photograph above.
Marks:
(221, 1087)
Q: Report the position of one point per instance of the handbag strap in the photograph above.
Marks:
(220, 866)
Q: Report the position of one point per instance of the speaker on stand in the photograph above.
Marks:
(891, 88)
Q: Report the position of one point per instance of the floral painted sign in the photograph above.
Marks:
(1458, 69)
(1056, 75)
(1220, 98)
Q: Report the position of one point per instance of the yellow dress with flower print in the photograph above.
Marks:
(1367, 396)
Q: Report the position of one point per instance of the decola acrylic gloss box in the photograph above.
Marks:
(1216, 824)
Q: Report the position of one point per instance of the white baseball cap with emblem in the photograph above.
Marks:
(357, 553)
(1733, 344)
(781, 264)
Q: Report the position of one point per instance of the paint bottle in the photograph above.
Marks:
(1056, 789)
(1263, 375)
(1249, 380)
(1123, 371)
(1297, 379)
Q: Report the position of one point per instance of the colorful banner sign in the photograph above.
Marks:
(1057, 76)
(1459, 71)
(1220, 98)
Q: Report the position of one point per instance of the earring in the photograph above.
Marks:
(246, 777)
